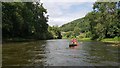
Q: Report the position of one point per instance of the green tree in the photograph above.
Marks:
(55, 31)
(107, 21)
(102, 22)
(24, 20)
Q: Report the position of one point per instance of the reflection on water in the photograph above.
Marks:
(58, 53)
(101, 54)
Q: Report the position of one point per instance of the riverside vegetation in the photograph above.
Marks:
(25, 21)
(101, 24)
(21, 21)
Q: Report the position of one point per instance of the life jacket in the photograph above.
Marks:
(74, 41)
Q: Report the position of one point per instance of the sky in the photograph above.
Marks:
(63, 11)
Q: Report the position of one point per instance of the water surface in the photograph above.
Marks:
(58, 53)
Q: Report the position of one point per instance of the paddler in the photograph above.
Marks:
(74, 41)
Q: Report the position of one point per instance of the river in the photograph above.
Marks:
(58, 53)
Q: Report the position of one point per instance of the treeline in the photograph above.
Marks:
(26, 20)
(55, 32)
(102, 22)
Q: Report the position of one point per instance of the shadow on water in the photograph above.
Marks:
(23, 54)
(58, 53)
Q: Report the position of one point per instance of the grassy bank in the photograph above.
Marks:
(112, 40)
(79, 39)
(84, 39)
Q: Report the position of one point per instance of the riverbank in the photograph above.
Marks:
(79, 39)
(21, 40)
(17, 40)
(84, 39)
(109, 40)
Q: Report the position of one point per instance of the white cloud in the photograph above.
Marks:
(61, 13)
(70, 0)
(60, 20)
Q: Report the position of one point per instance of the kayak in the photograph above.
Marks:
(72, 45)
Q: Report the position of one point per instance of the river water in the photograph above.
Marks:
(58, 53)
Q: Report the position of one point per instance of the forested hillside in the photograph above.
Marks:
(102, 22)
(70, 26)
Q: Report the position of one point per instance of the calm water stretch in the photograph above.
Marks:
(58, 53)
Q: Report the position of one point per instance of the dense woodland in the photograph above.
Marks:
(26, 20)
(102, 22)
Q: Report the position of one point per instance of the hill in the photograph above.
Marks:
(103, 22)
(78, 23)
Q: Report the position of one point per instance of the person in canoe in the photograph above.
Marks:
(74, 42)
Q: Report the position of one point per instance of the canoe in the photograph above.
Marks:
(72, 45)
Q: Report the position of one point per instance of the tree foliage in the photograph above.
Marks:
(102, 22)
(55, 31)
(24, 20)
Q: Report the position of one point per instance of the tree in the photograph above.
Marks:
(107, 20)
(55, 31)
(24, 20)
(102, 22)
